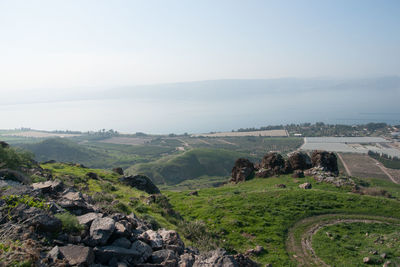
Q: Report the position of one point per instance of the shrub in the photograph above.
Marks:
(196, 231)
(69, 222)
(14, 200)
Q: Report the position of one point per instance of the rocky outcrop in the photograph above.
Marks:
(299, 161)
(118, 170)
(273, 161)
(4, 144)
(325, 160)
(242, 171)
(141, 182)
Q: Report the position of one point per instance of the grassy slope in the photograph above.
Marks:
(189, 165)
(348, 243)
(110, 193)
(257, 213)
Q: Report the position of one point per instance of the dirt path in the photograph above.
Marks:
(344, 165)
(383, 168)
(301, 251)
(227, 142)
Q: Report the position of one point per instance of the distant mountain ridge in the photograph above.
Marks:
(208, 89)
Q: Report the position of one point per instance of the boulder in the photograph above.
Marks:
(298, 174)
(48, 186)
(216, 258)
(299, 161)
(8, 174)
(106, 253)
(77, 255)
(4, 144)
(143, 250)
(88, 218)
(92, 175)
(305, 186)
(141, 182)
(118, 170)
(242, 171)
(163, 256)
(152, 238)
(273, 161)
(325, 160)
(186, 260)
(281, 186)
(244, 261)
(101, 230)
(122, 242)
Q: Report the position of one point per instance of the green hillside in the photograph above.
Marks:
(62, 150)
(188, 165)
(240, 217)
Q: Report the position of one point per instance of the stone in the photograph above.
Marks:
(273, 161)
(186, 260)
(305, 186)
(366, 260)
(244, 261)
(48, 186)
(215, 258)
(141, 249)
(92, 175)
(101, 230)
(141, 182)
(325, 160)
(281, 186)
(118, 170)
(54, 253)
(4, 144)
(88, 218)
(153, 238)
(162, 256)
(242, 171)
(106, 253)
(298, 174)
(193, 193)
(299, 161)
(78, 255)
(122, 242)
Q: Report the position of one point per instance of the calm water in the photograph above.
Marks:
(156, 115)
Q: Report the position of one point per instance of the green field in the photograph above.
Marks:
(257, 213)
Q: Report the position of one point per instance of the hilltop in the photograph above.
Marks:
(265, 219)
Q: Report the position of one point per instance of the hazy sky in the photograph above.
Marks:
(101, 43)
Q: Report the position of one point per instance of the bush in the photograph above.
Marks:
(14, 200)
(69, 222)
(14, 159)
(196, 231)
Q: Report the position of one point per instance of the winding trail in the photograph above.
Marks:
(299, 241)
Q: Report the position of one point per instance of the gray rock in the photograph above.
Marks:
(101, 230)
(78, 255)
(216, 258)
(162, 256)
(305, 186)
(105, 254)
(88, 218)
(122, 242)
(48, 186)
(141, 182)
(54, 253)
(186, 260)
(153, 238)
(141, 249)
(170, 237)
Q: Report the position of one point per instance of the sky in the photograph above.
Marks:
(64, 44)
(85, 64)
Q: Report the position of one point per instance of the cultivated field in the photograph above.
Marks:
(361, 165)
(126, 140)
(271, 133)
(351, 145)
(38, 134)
